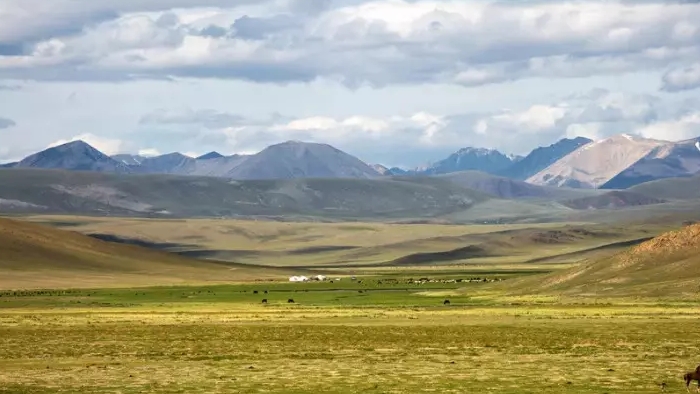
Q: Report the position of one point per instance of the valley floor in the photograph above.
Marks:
(377, 336)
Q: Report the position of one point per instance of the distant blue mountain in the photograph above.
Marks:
(76, 155)
(542, 157)
(210, 155)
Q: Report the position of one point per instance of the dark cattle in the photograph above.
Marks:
(264, 301)
(290, 301)
(265, 291)
(447, 302)
(255, 292)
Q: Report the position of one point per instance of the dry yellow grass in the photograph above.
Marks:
(665, 266)
(263, 235)
(313, 244)
(236, 348)
(34, 255)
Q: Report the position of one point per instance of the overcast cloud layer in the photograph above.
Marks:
(395, 82)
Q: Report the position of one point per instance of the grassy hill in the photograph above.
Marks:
(468, 197)
(671, 188)
(56, 191)
(664, 266)
(354, 245)
(38, 256)
(508, 188)
(612, 200)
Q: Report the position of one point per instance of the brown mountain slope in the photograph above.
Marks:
(594, 164)
(665, 266)
(37, 256)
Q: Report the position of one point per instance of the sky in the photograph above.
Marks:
(401, 83)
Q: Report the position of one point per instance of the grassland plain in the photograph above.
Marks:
(388, 331)
(389, 338)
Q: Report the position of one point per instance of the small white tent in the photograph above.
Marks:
(298, 278)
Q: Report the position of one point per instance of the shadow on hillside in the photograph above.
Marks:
(164, 246)
(467, 252)
(231, 255)
(62, 224)
(614, 245)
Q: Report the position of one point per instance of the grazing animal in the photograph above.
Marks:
(447, 302)
(264, 301)
(290, 301)
(255, 292)
(690, 376)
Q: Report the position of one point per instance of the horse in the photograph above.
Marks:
(690, 376)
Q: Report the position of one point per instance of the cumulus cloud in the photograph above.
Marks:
(372, 42)
(28, 21)
(596, 114)
(683, 128)
(683, 78)
(6, 123)
(107, 146)
(373, 138)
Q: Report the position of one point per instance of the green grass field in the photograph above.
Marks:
(389, 338)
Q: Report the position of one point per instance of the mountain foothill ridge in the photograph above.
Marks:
(618, 162)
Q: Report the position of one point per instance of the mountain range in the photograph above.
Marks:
(618, 162)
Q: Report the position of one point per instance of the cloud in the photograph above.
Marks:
(107, 146)
(9, 87)
(6, 123)
(683, 128)
(29, 21)
(410, 140)
(372, 42)
(148, 152)
(683, 78)
(596, 114)
(205, 118)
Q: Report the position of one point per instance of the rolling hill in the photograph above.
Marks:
(57, 191)
(38, 256)
(685, 188)
(507, 188)
(665, 266)
(612, 200)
